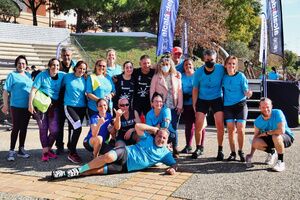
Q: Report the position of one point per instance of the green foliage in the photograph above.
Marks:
(128, 48)
(8, 9)
(290, 59)
(243, 19)
(239, 49)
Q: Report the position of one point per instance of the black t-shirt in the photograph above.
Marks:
(124, 88)
(126, 124)
(142, 85)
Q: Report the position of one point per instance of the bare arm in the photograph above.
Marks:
(95, 128)
(195, 97)
(30, 101)
(280, 129)
(172, 170)
(5, 102)
(117, 123)
(140, 128)
(92, 96)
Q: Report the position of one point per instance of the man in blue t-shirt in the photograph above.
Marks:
(207, 93)
(271, 131)
(146, 153)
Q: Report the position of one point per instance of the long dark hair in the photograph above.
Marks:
(19, 58)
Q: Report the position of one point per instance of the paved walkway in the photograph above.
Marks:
(203, 178)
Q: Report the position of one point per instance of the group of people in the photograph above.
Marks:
(134, 112)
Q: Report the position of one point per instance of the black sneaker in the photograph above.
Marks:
(58, 174)
(232, 156)
(60, 151)
(196, 153)
(186, 149)
(220, 156)
(242, 156)
(73, 173)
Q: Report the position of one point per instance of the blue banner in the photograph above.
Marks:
(166, 28)
(275, 27)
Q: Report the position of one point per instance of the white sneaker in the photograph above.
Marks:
(11, 156)
(23, 153)
(279, 166)
(271, 158)
(72, 173)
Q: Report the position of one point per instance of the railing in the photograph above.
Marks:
(86, 57)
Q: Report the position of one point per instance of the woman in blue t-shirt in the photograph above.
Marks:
(188, 110)
(48, 82)
(102, 124)
(75, 106)
(18, 85)
(99, 85)
(236, 91)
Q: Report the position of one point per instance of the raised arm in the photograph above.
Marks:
(140, 128)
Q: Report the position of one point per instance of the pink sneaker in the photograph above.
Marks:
(51, 154)
(45, 157)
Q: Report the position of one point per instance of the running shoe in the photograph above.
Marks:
(11, 156)
(45, 157)
(74, 158)
(220, 156)
(279, 166)
(249, 161)
(72, 173)
(271, 158)
(232, 157)
(23, 153)
(58, 174)
(186, 149)
(51, 154)
(242, 156)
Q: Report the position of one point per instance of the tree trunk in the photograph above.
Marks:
(34, 18)
(79, 20)
(113, 25)
(153, 21)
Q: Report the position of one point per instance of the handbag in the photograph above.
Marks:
(41, 101)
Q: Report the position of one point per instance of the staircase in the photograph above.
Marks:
(253, 102)
(36, 54)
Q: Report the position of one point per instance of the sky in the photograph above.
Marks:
(291, 25)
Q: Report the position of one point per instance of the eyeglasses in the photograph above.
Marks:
(123, 105)
(102, 106)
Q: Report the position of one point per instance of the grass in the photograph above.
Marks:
(127, 48)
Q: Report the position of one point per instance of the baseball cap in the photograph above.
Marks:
(177, 50)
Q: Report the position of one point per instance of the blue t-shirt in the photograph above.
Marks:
(153, 120)
(103, 129)
(49, 86)
(187, 88)
(114, 71)
(75, 90)
(277, 116)
(234, 88)
(105, 87)
(145, 154)
(209, 85)
(273, 76)
(180, 66)
(19, 87)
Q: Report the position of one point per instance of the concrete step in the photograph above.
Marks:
(15, 49)
(9, 53)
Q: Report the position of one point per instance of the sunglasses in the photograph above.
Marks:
(123, 105)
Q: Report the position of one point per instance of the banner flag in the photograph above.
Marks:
(184, 40)
(166, 28)
(275, 27)
(263, 40)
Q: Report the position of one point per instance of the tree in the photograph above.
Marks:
(206, 20)
(33, 5)
(239, 49)
(243, 19)
(86, 11)
(8, 9)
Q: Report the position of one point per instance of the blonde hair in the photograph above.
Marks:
(96, 64)
(171, 63)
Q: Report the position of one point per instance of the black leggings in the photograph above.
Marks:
(20, 120)
(75, 117)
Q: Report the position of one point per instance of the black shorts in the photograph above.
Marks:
(204, 105)
(142, 107)
(104, 148)
(287, 140)
(120, 165)
(130, 141)
(238, 112)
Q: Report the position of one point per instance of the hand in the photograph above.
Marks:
(128, 134)
(262, 135)
(101, 120)
(170, 171)
(248, 93)
(179, 111)
(5, 109)
(178, 75)
(115, 79)
(118, 112)
(31, 109)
